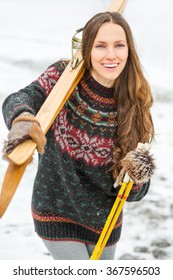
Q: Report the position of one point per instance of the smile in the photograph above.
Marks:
(110, 65)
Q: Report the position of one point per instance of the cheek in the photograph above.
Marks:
(95, 56)
(124, 55)
(124, 59)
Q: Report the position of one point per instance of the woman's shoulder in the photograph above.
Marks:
(53, 72)
(60, 65)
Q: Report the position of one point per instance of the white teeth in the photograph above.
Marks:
(110, 65)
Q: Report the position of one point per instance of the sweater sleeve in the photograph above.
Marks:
(31, 98)
(138, 191)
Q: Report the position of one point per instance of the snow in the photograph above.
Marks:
(35, 34)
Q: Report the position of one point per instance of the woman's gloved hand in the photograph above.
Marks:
(139, 164)
(25, 126)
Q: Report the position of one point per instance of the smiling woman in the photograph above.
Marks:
(109, 54)
(111, 33)
(106, 116)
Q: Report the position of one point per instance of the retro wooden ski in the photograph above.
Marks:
(22, 154)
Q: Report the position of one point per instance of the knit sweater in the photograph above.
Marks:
(73, 190)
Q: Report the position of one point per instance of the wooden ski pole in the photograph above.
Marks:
(113, 217)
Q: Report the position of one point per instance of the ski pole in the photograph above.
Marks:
(113, 217)
(138, 166)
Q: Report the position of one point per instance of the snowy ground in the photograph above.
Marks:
(35, 33)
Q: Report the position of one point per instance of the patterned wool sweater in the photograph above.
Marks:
(73, 189)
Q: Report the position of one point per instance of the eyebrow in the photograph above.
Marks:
(114, 42)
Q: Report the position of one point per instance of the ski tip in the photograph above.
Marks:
(117, 6)
(2, 211)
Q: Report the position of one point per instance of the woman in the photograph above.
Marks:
(106, 116)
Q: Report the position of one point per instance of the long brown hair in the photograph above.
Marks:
(132, 91)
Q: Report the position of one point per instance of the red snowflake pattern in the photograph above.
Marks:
(48, 79)
(79, 145)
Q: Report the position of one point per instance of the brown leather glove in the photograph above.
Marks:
(25, 126)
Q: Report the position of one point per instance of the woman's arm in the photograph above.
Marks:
(31, 98)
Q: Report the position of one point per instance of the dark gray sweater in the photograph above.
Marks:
(73, 189)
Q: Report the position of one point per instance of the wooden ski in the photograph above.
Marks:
(50, 109)
(117, 6)
(22, 154)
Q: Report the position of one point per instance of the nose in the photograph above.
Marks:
(111, 53)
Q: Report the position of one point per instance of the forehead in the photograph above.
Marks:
(109, 31)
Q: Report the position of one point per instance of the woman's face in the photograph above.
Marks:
(109, 54)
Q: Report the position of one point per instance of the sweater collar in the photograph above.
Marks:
(98, 88)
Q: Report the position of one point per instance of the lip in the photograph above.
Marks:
(110, 66)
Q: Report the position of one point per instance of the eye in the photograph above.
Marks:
(120, 45)
(100, 46)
